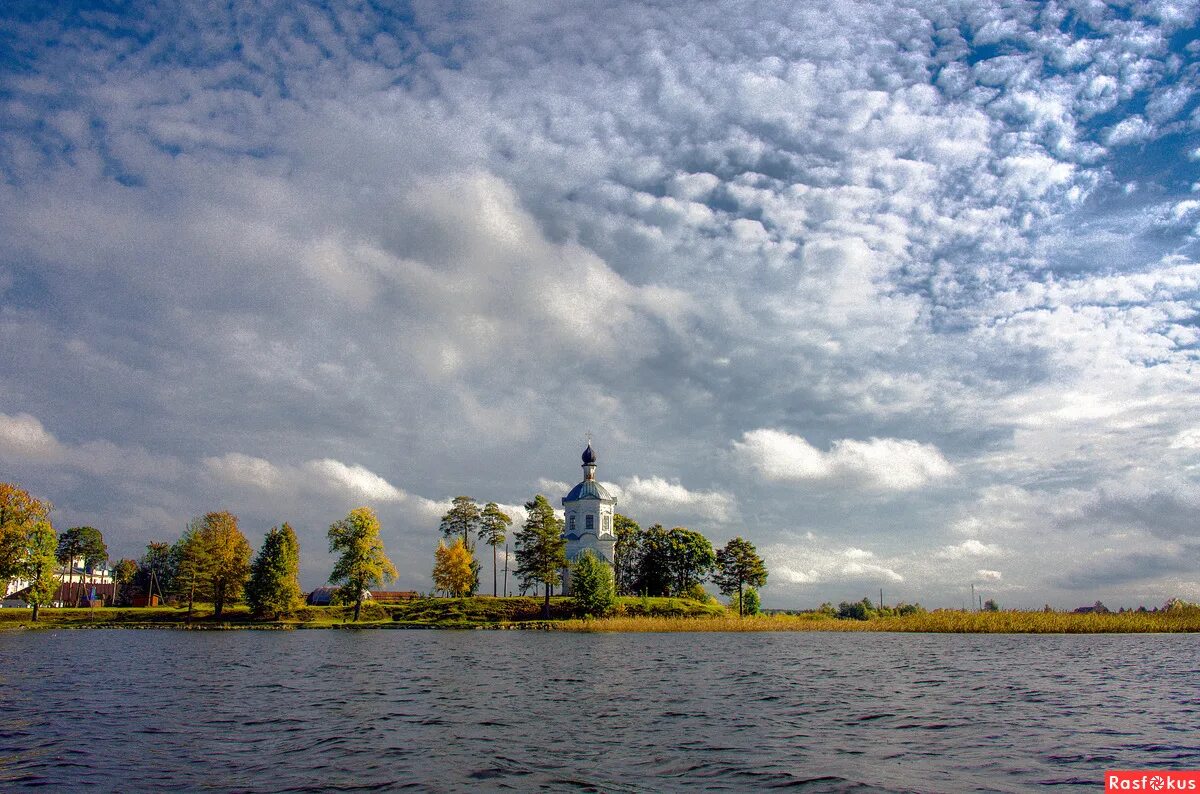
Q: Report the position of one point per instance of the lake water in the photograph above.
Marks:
(368, 710)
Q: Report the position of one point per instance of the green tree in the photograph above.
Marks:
(541, 549)
(464, 519)
(493, 530)
(691, 558)
(748, 604)
(592, 585)
(158, 568)
(739, 565)
(274, 586)
(80, 542)
(213, 559)
(452, 571)
(654, 562)
(124, 574)
(38, 561)
(188, 560)
(858, 610)
(18, 513)
(991, 606)
(363, 563)
(626, 552)
(70, 545)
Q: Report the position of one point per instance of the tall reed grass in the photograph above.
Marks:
(942, 621)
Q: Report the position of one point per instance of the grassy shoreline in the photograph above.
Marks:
(634, 615)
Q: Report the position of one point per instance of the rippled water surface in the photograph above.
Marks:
(378, 710)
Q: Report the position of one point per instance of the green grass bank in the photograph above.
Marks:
(433, 613)
(633, 615)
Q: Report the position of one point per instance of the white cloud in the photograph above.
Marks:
(23, 437)
(985, 575)
(1131, 130)
(968, 548)
(357, 479)
(1187, 439)
(240, 469)
(655, 493)
(815, 563)
(884, 463)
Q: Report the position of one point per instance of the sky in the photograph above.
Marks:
(905, 294)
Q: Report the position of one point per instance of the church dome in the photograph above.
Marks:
(588, 489)
(589, 455)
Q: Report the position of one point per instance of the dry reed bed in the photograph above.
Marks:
(945, 622)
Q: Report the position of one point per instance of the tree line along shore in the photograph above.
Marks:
(211, 578)
(213, 566)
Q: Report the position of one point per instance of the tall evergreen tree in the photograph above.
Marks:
(86, 543)
(739, 565)
(70, 545)
(214, 560)
(493, 530)
(274, 586)
(188, 562)
(463, 519)
(541, 549)
(363, 563)
(158, 567)
(124, 574)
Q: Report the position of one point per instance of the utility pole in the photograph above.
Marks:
(881, 598)
(506, 569)
(972, 595)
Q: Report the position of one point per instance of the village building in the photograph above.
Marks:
(588, 518)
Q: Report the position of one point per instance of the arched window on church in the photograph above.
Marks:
(588, 524)
(608, 523)
(571, 522)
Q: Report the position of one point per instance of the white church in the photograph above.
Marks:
(588, 518)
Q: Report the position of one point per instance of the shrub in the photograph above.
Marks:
(592, 585)
(859, 610)
(751, 603)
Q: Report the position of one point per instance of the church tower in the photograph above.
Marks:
(588, 510)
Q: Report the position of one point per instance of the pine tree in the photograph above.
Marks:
(738, 565)
(541, 549)
(212, 561)
(364, 563)
(85, 542)
(463, 520)
(274, 586)
(493, 530)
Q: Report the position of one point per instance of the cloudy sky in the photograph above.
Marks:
(907, 295)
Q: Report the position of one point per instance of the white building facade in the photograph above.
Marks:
(588, 518)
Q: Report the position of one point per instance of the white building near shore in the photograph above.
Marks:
(588, 518)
